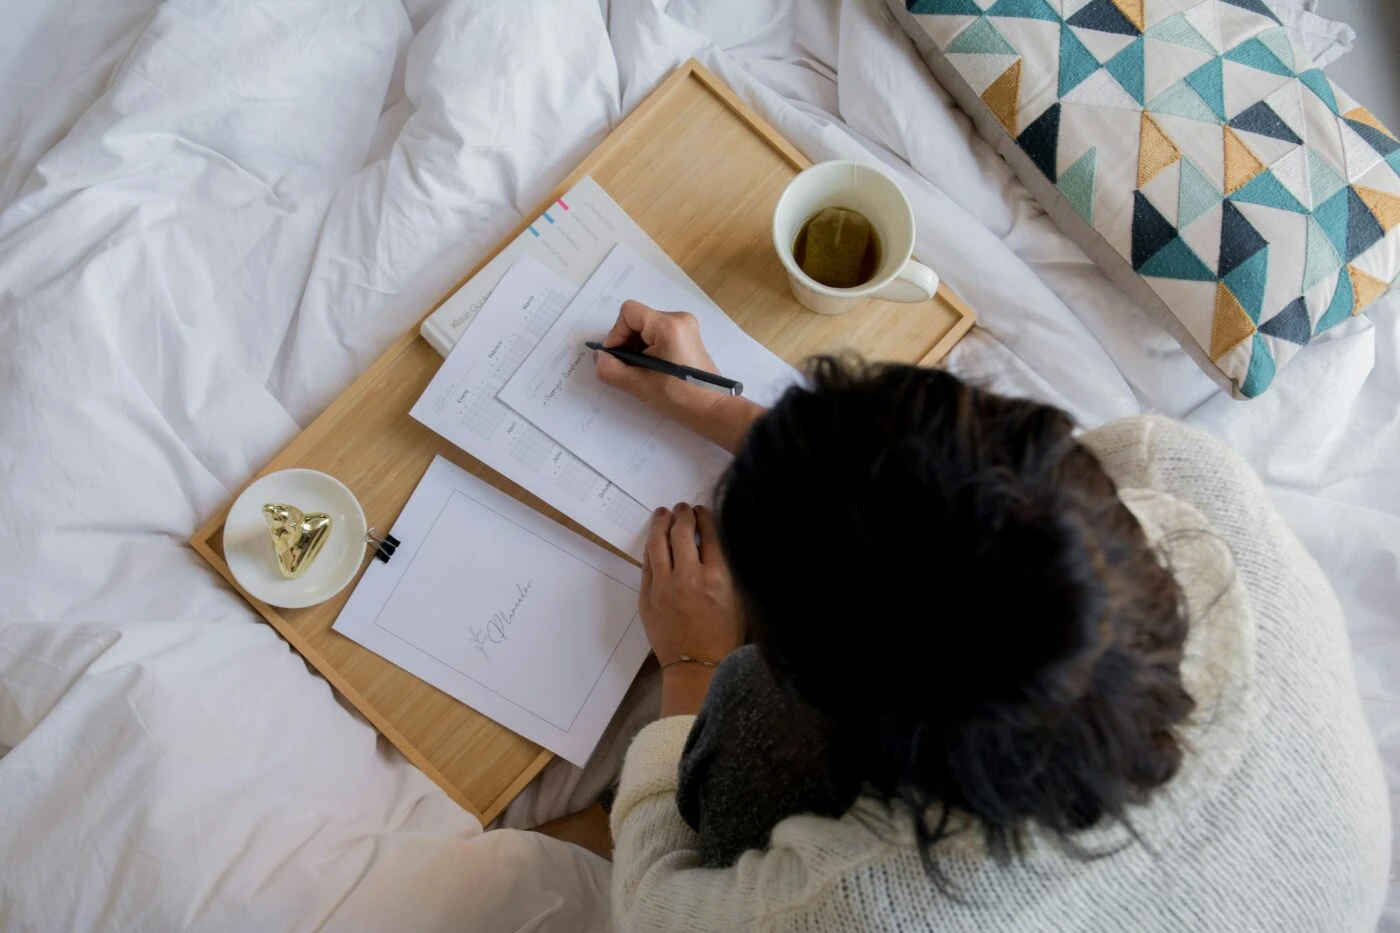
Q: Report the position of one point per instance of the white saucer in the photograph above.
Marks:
(248, 542)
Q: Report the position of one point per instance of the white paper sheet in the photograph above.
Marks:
(509, 612)
(460, 404)
(656, 461)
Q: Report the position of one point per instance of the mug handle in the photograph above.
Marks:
(915, 282)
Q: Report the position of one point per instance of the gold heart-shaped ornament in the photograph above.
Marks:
(297, 537)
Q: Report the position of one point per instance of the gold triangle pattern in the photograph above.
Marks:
(1003, 96)
(1364, 288)
(1132, 9)
(1155, 150)
(1230, 325)
(1241, 165)
(1385, 207)
(1362, 115)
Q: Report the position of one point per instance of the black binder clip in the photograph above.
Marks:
(384, 545)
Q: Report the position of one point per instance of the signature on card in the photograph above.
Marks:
(496, 631)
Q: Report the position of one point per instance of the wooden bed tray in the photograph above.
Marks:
(701, 173)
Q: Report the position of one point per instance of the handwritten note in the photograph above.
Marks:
(655, 461)
(496, 631)
(509, 612)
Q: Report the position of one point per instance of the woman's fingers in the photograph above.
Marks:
(646, 572)
(684, 553)
(658, 553)
(709, 535)
(632, 321)
(613, 372)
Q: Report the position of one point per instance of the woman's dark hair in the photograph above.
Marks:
(952, 579)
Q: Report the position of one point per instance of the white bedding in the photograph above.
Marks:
(215, 213)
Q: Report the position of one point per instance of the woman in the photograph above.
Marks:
(1042, 682)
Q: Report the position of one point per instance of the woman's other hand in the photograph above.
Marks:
(674, 336)
(688, 604)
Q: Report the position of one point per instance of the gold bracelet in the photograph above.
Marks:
(687, 659)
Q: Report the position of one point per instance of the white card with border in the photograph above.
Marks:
(518, 617)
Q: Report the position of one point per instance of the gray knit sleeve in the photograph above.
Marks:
(755, 756)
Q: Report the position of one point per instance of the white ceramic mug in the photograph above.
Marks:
(867, 191)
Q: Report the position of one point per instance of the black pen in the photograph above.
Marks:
(688, 373)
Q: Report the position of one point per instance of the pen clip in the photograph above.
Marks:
(735, 389)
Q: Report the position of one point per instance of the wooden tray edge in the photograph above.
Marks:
(334, 678)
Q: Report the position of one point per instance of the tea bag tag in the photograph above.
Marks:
(837, 240)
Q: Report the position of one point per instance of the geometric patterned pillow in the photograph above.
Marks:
(1193, 152)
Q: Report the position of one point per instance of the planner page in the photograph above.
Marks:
(570, 239)
(657, 462)
(519, 618)
(460, 404)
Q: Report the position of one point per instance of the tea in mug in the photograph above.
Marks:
(838, 248)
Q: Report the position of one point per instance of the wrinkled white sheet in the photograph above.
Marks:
(215, 213)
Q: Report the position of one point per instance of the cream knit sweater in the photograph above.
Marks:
(1277, 820)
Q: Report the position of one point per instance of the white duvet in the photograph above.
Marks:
(215, 213)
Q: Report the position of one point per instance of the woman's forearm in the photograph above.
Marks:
(683, 689)
(722, 419)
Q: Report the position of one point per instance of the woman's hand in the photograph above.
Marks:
(667, 335)
(688, 604)
(674, 336)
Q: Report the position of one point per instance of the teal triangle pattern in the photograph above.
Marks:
(1209, 82)
(981, 38)
(1317, 82)
(1180, 100)
(1077, 184)
(1260, 118)
(1291, 324)
(1196, 194)
(1103, 16)
(1363, 230)
(1383, 143)
(1340, 308)
(1393, 160)
(1127, 68)
(1256, 54)
(1323, 179)
(1177, 260)
(1261, 369)
(1265, 189)
(1247, 282)
(1151, 231)
(1276, 41)
(1239, 240)
(1333, 215)
(1076, 61)
(1177, 30)
(944, 8)
(1024, 9)
(1321, 258)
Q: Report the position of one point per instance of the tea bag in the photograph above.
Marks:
(836, 243)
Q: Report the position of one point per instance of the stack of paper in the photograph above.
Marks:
(519, 392)
(570, 239)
